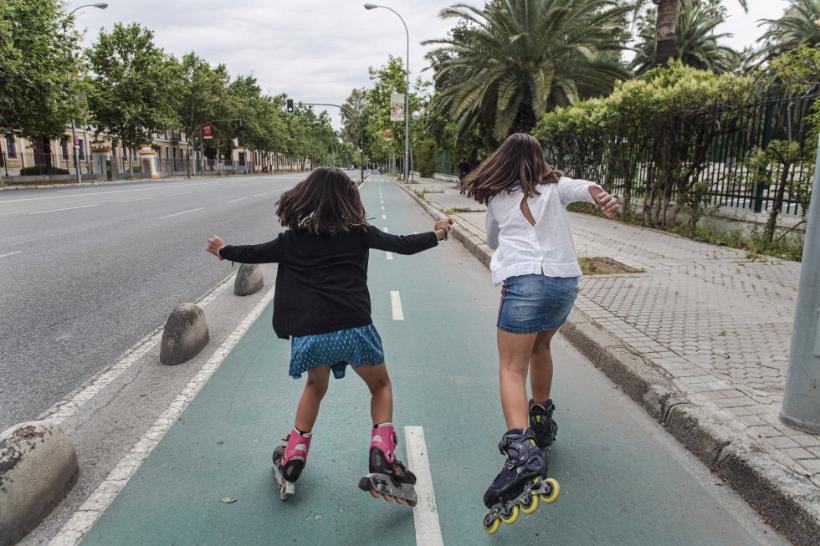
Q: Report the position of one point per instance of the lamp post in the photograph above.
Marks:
(98, 5)
(406, 163)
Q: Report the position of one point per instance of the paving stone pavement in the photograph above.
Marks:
(715, 320)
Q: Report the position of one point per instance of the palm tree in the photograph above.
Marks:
(800, 24)
(696, 43)
(505, 65)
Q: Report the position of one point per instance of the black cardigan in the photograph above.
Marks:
(321, 284)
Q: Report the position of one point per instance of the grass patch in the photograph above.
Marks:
(602, 265)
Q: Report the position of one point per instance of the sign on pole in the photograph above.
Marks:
(207, 130)
(388, 134)
(397, 107)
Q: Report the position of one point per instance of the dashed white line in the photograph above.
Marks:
(237, 199)
(11, 253)
(387, 256)
(425, 513)
(384, 217)
(62, 209)
(386, 229)
(180, 213)
(395, 305)
(382, 207)
(260, 194)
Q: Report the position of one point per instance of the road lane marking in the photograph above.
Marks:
(260, 194)
(387, 256)
(238, 199)
(382, 207)
(384, 217)
(87, 514)
(425, 513)
(132, 200)
(385, 229)
(11, 253)
(62, 209)
(180, 213)
(395, 304)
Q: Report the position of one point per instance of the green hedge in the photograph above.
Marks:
(41, 170)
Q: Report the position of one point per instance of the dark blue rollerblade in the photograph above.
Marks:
(543, 425)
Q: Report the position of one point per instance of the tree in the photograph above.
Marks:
(133, 86)
(515, 60)
(800, 24)
(38, 73)
(696, 43)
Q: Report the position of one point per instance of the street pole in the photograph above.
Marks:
(801, 399)
(406, 162)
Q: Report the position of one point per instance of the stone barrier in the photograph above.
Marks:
(248, 280)
(185, 334)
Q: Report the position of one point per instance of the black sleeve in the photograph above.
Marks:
(400, 244)
(262, 253)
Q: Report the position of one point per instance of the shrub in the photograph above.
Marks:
(41, 170)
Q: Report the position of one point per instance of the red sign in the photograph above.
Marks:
(207, 130)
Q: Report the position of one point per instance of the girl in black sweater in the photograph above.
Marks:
(322, 303)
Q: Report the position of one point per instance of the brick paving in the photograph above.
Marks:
(714, 320)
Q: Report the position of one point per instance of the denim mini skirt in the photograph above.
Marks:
(534, 303)
(352, 346)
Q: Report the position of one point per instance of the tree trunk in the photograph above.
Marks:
(771, 224)
(665, 37)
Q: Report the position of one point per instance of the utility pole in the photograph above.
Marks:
(801, 400)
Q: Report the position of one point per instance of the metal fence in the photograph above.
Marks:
(726, 167)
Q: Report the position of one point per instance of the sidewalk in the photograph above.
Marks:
(700, 339)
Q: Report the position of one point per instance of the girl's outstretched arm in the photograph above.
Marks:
(246, 254)
(407, 244)
(571, 190)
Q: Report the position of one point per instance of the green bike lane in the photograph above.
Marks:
(623, 480)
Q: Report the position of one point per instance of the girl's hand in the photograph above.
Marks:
(442, 227)
(214, 244)
(607, 202)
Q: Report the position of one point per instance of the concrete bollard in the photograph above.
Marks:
(248, 280)
(185, 334)
(38, 467)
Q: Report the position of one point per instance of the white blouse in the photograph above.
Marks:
(547, 247)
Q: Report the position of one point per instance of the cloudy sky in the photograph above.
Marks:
(316, 50)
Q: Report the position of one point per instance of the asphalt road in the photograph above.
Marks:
(623, 479)
(87, 272)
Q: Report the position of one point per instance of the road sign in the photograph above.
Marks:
(397, 107)
(207, 130)
(388, 134)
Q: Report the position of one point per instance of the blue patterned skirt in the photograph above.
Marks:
(356, 347)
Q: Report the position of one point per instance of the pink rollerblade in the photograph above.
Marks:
(289, 461)
(388, 477)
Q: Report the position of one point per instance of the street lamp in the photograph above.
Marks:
(406, 165)
(98, 5)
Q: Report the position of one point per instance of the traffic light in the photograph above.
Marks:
(290, 106)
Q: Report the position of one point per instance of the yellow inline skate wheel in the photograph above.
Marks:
(512, 518)
(556, 491)
(493, 527)
(532, 506)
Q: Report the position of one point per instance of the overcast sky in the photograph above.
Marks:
(316, 50)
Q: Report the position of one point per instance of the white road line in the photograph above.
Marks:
(385, 229)
(425, 513)
(132, 200)
(382, 207)
(395, 304)
(238, 199)
(180, 213)
(387, 256)
(260, 194)
(11, 253)
(384, 217)
(66, 208)
(84, 518)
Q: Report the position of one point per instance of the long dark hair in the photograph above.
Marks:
(517, 163)
(326, 202)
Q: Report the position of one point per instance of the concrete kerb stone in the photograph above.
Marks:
(185, 334)
(789, 501)
(38, 467)
(249, 280)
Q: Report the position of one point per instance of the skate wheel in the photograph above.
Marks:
(375, 494)
(491, 524)
(401, 500)
(388, 498)
(513, 517)
(530, 504)
(555, 491)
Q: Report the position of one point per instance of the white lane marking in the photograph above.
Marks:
(84, 518)
(382, 207)
(66, 208)
(425, 513)
(384, 217)
(395, 304)
(132, 200)
(387, 256)
(180, 213)
(260, 194)
(238, 199)
(68, 406)
(385, 229)
(11, 253)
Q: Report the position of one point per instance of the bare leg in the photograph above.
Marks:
(381, 392)
(315, 389)
(514, 352)
(541, 366)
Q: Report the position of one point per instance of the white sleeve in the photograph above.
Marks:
(571, 190)
(492, 229)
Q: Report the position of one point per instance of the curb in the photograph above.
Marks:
(785, 498)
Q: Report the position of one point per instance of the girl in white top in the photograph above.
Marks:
(536, 264)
